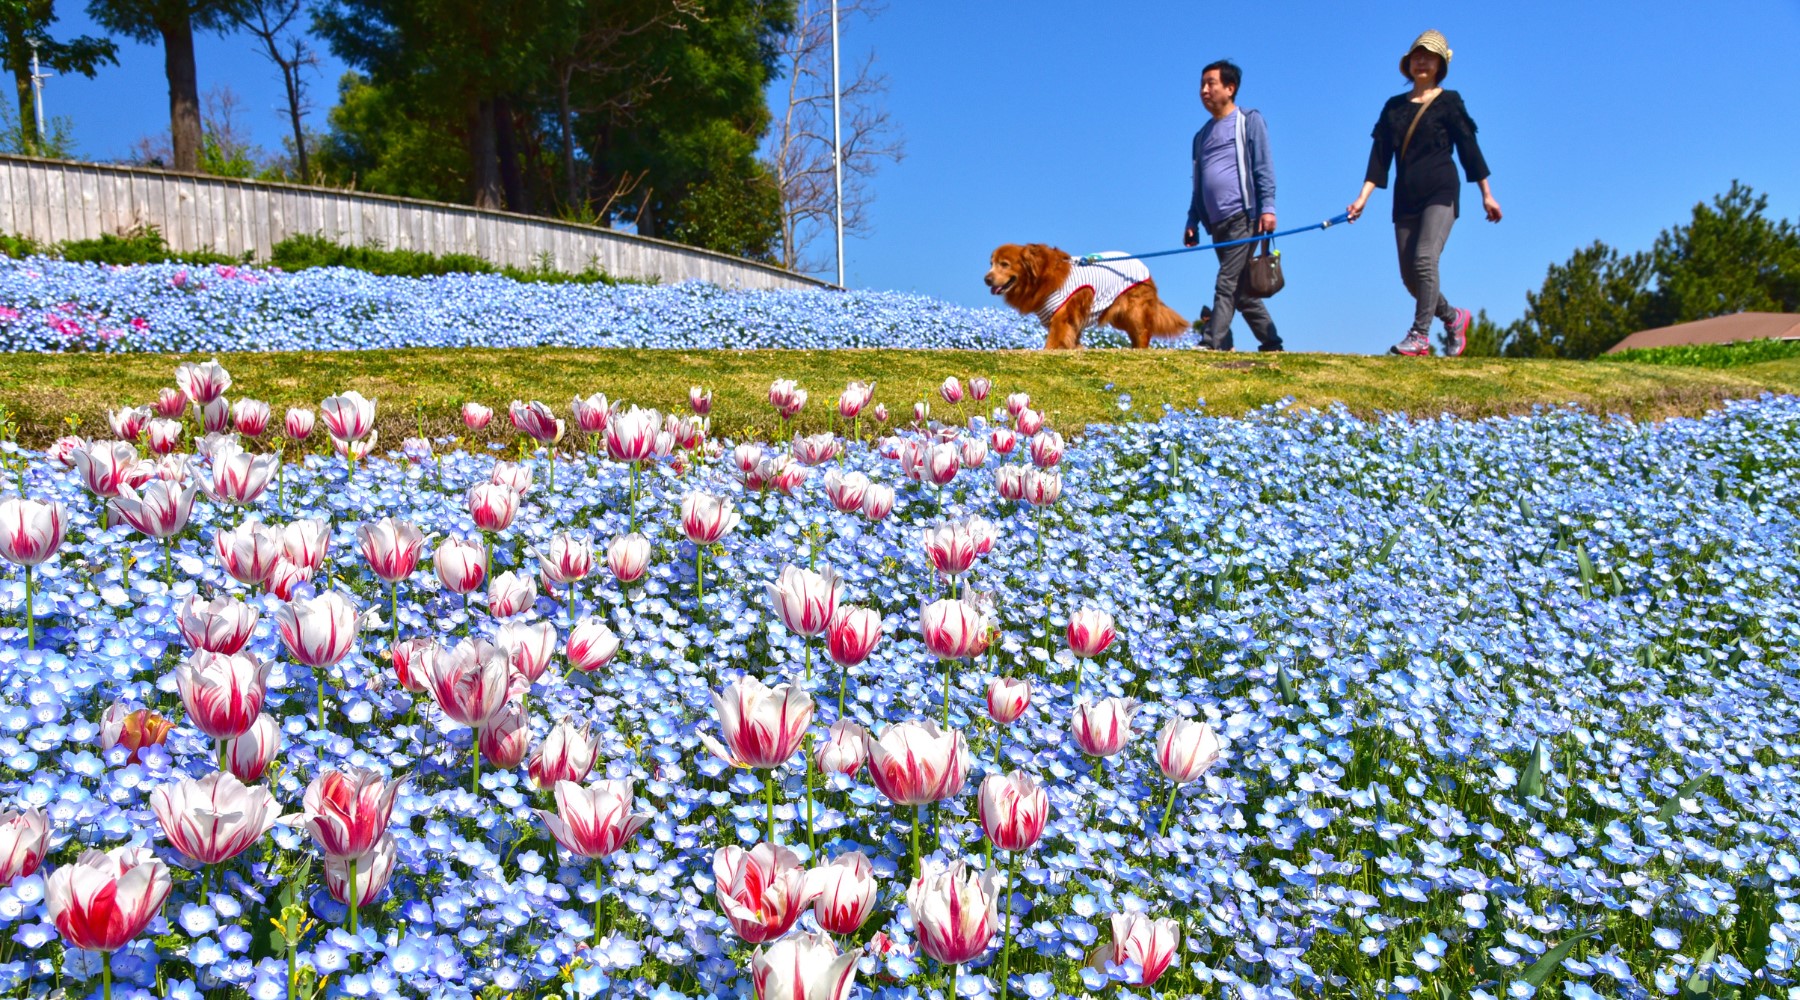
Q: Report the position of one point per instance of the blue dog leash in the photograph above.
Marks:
(1095, 258)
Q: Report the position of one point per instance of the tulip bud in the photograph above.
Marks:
(348, 416)
(250, 417)
(475, 416)
(299, 424)
(1186, 750)
(505, 738)
(1102, 728)
(461, 565)
(591, 645)
(24, 840)
(568, 754)
(628, 557)
(843, 751)
(1013, 810)
(373, 870)
(1007, 699)
(249, 755)
(878, 502)
(700, 401)
(852, 634)
(1028, 421)
(951, 390)
(1090, 632)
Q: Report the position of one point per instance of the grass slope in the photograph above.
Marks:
(46, 394)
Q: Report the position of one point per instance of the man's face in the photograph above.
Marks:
(1213, 92)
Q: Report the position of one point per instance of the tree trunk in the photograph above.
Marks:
(184, 91)
(566, 123)
(291, 76)
(28, 137)
(506, 149)
(484, 173)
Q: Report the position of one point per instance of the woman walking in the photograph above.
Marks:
(1416, 132)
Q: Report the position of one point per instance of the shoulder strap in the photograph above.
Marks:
(1426, 103)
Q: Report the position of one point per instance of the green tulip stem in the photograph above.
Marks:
(1012, 875)
(351, 893)
(394, 611)
(106, 975)
(918, 863)
(1168, 810)
(812, 843)
(599, 895)
(947, 692)
(30, 612)
(769, 783)
(475, 748)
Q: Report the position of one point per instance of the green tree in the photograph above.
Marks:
(1730, 257)
(380, 139)
(1587, 304)
(23, 22)
(173, 23)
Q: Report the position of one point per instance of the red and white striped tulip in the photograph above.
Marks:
(223, 692)
(391, 548)
(536, 421)
(348, 416)
(298, 424)
(846, 890)
(949, 548)
(1046, 449)
(805, 600)
(951, 390)
(844, 750)
(1007, 699)
(746, 457)
(854, 399)
(461, 565)
(816, 449)
(880, 412)
(852, 635)
(24, 840)
(1150, 943)
(240, 477)
(1042, 486)
(318, 631)
(1102, 728)
(31, 530)
(62, 450)
(803, 967)
(492, 506)
(105, 466)
(285, 579)
(706, 518)
(1186, 749)
(249, 755)
(1013, 810)
(408, 656)
(1017, 403)
(132, 729)
(699, 400)
(222, 625)
(567, 560)
(373, 870)
(631, 435)
(846, 490)
(202, 382)
(306, 541)
(1003, 440)
(973, 453)
(628, 557)
(762, 726)
(159, 511)
(469, 680)
(921, 412)
(1090, 632)
(213, 819)
(939, 464)
(164, 436)
(591, 414)
(982, 532)
(1028, 421)
(955, 911)
(591, 645)
(567, 754)
(787, 398)
(506, 738)
(914, 763)
(356, 450)
(127, 422)
(215, 417)
(761, 891)
(170, 402)
(595, 820)
(510, 594)
(515, 476)
(102, 901)
(250, 417)
(953, 629)
(878, 502)
(529, 648)
(347, 810)
(979, 388)
(475, 416)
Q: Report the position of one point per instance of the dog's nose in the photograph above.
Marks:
(988, 280)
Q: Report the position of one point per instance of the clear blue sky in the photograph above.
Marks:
(1069, 123)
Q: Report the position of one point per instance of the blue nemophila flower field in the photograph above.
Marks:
(53, 305)
(1507, 706)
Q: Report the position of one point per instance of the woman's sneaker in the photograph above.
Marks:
(1456, 334)
(1416, 345)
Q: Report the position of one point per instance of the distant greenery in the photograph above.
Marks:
(1743, 352)
(296, 253)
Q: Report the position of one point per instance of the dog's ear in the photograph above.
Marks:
(1031, 260)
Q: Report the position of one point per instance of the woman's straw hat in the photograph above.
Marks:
(1432, 42)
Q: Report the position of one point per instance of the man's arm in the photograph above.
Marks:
(1262, 170)
(1192, 231)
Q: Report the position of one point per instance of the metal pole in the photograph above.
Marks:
(837, 147)
(37, 91)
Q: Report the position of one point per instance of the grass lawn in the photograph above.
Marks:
(46, 394)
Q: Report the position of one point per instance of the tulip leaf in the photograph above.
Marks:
(1700, 984)
(1531, 781)
(1588, 575)
(1387, 548)
(1432, 495)
(1542, 968)
(1673, 803)
(1284, 683)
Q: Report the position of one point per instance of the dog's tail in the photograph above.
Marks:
(1166, 322)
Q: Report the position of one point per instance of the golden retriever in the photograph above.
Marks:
(1042, 280)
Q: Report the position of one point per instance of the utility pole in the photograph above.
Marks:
(37, 89)
(837, 146)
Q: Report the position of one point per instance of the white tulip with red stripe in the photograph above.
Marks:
(628, 557)
(762, 726)
(1007, 699)
(213, 819)
(953, 629)
(854, 399)
(955, 911)
(1090, 632)
(878, 502)
(852, 634)
(461, 565)
(373, 870)
(476, 416)
(593, 820)
(1150, 943)
(567, 754)
(306, 541)
(844, 750)
(529, 648)
(223, 692)
(391, 548)
(914, 763)
(250, 417)
(949, 548)
(1186, 749)
(103, 900)
(706, 518)
(104, 466)
(222, 625)
(805, 600)
(160, 511)
(493, 506)
(846, 890)
(1012, 809)
(761, 891)
(318, 631)
(803, 967)
(1102, 728)
(845, 490)
(469, 680)
(202, 382)
(249, 755)
(631, 435)
(298, 424)
(1028, 421)
(506, 738)
(567, 559)
(348, 416)
(24, 840)
(536, 421)
(1046, 449)
(591, 645)
(510, 594)
(31, 530)
(515, 476)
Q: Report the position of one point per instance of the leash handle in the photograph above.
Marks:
(1095, 258)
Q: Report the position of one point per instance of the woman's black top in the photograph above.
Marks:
(1426, 176)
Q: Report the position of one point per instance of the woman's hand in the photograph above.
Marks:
(1492, 207)
(1356, 208)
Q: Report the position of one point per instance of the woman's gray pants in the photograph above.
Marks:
(1420, 240)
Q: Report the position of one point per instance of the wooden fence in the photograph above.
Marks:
(55, 200)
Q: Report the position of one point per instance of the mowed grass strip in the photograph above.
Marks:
(53, 394)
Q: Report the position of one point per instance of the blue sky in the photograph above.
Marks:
(1069, 123)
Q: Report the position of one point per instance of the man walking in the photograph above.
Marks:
(1234, 197)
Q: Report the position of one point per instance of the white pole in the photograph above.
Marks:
(837, 147)
(37, 91)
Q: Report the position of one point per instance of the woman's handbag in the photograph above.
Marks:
(1265, 272)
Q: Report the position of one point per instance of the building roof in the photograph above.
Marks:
(1718, 330)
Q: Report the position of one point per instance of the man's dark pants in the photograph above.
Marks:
(1232, 295)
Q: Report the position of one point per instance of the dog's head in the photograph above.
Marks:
(1011, 265)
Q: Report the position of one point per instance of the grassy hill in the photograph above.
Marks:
(50, 395)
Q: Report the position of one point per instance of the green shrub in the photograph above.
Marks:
(140, 246)
(20, 246)
(1742, 352)
(296, 253)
